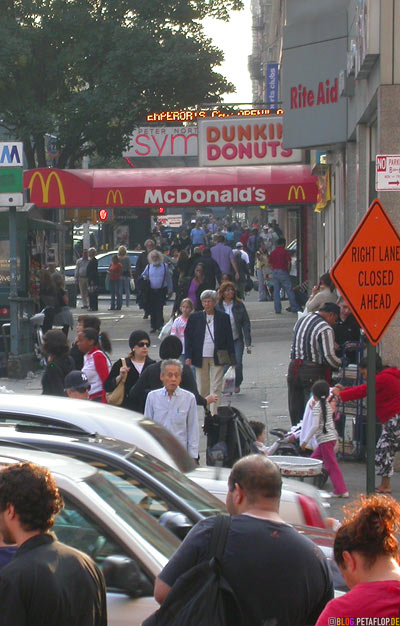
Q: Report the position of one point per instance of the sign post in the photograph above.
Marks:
(12, 195)
(367, 274)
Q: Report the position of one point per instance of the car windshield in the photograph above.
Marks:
(112, 492)
(200, 499)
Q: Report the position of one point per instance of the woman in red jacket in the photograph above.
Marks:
(96, 364)
(388, 413)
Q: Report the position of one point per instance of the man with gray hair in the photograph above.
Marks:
(175, 408)
(278, 576)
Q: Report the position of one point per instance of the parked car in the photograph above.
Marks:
(104, 261)
(169, 496)
(101, 520)
(300, 503)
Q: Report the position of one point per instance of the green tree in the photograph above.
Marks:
(87, 71)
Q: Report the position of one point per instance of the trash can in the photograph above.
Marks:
(71, 290)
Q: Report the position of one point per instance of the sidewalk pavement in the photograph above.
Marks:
(263, 393)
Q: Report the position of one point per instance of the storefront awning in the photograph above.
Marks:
(195, 186)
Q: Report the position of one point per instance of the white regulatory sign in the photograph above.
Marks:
(387, 172)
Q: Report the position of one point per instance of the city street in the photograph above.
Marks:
(264, 374)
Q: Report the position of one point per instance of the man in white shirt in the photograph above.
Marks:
(174, 408)
(243, 254)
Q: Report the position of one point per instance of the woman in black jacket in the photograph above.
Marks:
(228, 302)
(135, 363)
(59, 363)
(170, 348)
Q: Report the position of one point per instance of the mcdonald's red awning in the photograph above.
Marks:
(196, 186)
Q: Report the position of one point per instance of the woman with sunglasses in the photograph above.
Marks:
(136, 361)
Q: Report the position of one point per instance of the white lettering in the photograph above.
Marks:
(259, 195)
(169, 196)
(153, 197)
(183, 196)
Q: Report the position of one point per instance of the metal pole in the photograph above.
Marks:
(371, 416)
(12, 228)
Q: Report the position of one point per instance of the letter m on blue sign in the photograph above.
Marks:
(9, 154)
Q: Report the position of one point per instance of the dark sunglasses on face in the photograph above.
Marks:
(143, 344)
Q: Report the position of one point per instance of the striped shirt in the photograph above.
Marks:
(314, 341)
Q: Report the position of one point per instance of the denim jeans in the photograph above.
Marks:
(115, 290)
(281, 278)
(239, 348)
(126, 288)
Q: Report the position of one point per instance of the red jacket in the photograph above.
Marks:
(387, 393)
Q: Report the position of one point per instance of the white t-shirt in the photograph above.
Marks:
(138, 366)
(229, 309)
(208, 345)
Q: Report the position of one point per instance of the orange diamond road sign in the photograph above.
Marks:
(367, 273)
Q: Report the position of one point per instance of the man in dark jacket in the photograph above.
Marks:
(47, 583)
(209, 345)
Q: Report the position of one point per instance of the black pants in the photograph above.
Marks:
(156, 302)
(93, 299)
(300, 379)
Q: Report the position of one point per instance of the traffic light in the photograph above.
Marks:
(103, 215)
(161, 210)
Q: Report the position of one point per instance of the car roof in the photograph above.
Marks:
(56, 463)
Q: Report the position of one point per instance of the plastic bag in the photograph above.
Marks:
(228, 384)
(132, 284)
(166, 329)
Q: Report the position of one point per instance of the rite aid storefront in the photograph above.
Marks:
(314, 55)
(145, 190)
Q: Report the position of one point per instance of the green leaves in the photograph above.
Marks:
(88, 71)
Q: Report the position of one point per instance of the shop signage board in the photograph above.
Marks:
(367, 273)
(387, 172)
(156, 141)
(244, 141)
(173, 221)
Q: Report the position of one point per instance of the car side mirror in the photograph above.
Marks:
(177, 523)
(124, 574)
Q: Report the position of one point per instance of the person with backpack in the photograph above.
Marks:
(159, 280)
(275, 575)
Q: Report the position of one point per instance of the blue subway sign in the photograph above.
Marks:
(11, 154)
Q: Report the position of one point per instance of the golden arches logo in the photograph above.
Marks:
(114, 194)
(45, 185)
(296, 192)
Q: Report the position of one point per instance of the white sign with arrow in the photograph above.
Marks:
(387, 172)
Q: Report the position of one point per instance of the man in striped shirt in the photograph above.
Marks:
(312, 356)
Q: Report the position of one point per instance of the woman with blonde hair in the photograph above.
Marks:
(230, 303)
(366, 550)
(125, 285)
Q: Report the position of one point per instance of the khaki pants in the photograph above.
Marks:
(209, 380)
(83, 288)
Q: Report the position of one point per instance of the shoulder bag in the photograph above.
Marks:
(117, 396)
(223, 356)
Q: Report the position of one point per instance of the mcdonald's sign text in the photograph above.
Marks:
(296, 191)
(113, 196)
(45, 186)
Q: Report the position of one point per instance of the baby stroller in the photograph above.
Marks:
(229, 436)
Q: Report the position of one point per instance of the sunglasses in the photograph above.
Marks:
(143, 344)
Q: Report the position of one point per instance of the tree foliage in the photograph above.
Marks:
(87, 71)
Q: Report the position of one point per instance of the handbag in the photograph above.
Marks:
(223, 356)
(116, 397)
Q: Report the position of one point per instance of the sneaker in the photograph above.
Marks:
(340, 495)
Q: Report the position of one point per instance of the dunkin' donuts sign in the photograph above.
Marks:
(243, 142)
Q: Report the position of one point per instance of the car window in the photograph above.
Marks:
(9, 418)
(105, 261)
(170, 443)
(74, 528)
(114, 492)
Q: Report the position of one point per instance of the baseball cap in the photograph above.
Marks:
(76, 380)
(239, 244)
(330, 307)
(265, 227)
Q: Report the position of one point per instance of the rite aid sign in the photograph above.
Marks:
(387, 172)
(257, 141)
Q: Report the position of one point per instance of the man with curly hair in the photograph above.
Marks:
(47, 583)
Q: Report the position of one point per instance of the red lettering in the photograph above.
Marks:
(213, 153)
(286, 152)
(321, 94)
(335, 91)
(162, 145)
(144, 145)
(310, 98)
(229, 151)
(293, 98)
(259, 132)
(213, 134)
(273, 145)
(225, 135)
(244, 131)
(260, 154)
(244, 150)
